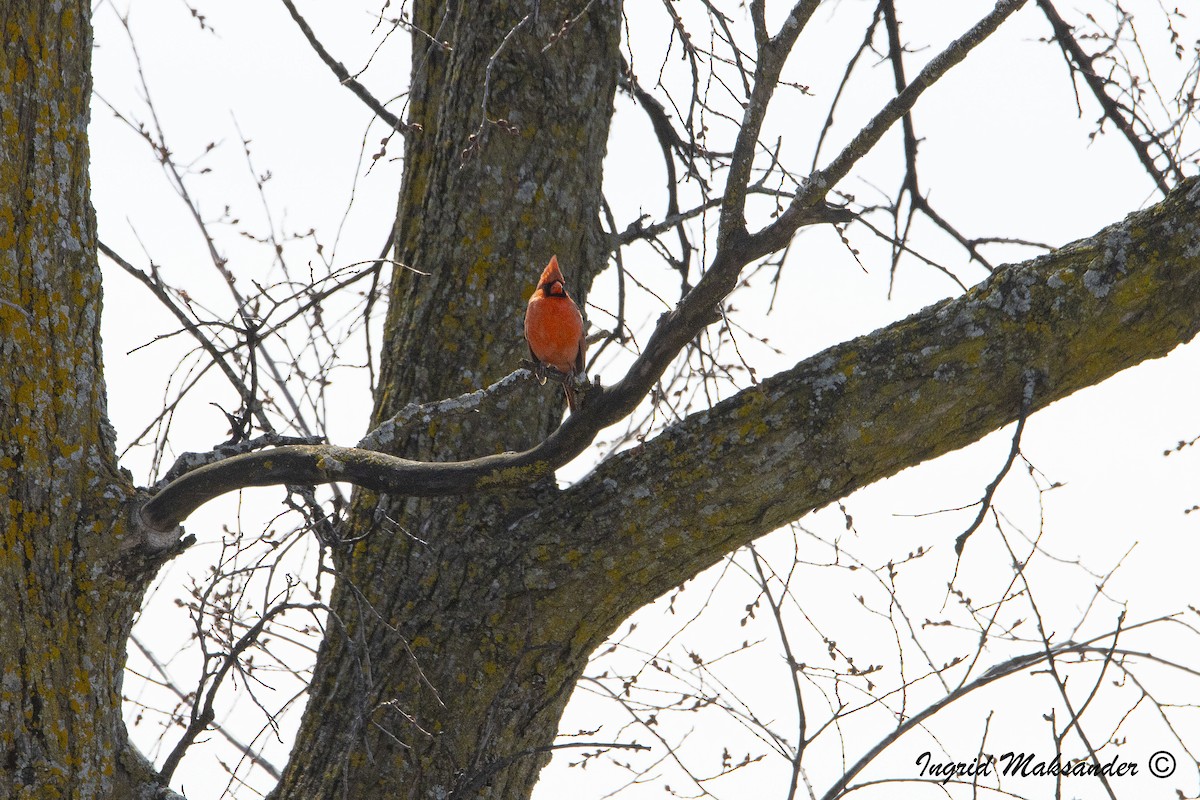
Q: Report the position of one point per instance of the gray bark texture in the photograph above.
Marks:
(72, 566)
(459, 624)
(442, 675)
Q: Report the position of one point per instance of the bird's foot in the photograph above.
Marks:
(537, 369)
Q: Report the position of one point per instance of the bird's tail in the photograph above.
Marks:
(572, 399)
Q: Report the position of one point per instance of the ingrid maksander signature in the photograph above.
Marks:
(1022, 765)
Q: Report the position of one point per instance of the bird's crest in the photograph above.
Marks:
(551, 273)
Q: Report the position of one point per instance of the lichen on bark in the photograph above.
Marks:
(465, 681)
(68, 594)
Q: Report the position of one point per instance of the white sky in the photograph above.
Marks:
(1003, 154)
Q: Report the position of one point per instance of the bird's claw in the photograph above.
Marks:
(537, 369)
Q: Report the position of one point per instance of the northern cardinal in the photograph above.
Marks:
(554, 328)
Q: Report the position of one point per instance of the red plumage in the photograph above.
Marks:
(554, 328)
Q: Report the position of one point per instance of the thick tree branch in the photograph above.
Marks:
(863, 410)
(870, 407)
(736, 249)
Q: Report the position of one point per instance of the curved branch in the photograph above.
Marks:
(203, 477)
(380, 472)
(1005, 669)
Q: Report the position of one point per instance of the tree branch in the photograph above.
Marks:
(343, 75)
(203, 712)
(868, 408)
(778, 233)
(863, 410)
(985, 502)
(1079, 61)
(1011, 667)
(772, 54)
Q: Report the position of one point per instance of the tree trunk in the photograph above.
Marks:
(442, 674)
(458, 627)
(72, 569)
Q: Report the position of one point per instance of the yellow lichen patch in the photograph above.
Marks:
(753, 427)
(751, 410)
(514, 476)
(478, 273)
(1129, 292)
(968, 351)
(8, 238)
(24, 395)
(65, 448)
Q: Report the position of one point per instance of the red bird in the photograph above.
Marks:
(554, 329)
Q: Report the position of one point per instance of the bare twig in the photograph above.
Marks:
(344, 76)
(203, 715)
(985, 503)
(1082, 63)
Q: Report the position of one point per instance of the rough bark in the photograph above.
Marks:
(458, 627)
(72, 569)
(437, 678)
(649, 519)
(496, 603)
(545, 588)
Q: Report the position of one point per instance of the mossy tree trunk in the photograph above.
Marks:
(446, 672)
(459, 626)
(72, 569)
